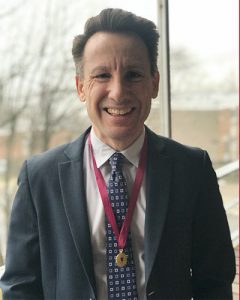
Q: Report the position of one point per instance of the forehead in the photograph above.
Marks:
(120, 48)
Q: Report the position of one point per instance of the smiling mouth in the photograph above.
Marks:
(118, 112)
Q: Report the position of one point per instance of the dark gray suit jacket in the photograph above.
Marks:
(188, 250)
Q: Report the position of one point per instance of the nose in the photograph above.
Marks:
(117, 89)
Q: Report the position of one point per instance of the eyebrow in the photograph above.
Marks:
(99, 68)
(106, 68)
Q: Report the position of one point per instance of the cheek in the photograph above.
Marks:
(96, 92)
(146, 98)
(146, 106)
(93, 103)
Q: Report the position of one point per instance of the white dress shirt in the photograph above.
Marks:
(96, 215)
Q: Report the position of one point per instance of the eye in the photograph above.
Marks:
(134, 75)
(102, 76)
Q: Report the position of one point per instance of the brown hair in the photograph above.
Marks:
(117, 20)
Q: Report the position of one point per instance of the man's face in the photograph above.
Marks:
(117, 86)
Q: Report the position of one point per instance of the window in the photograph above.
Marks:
(204, 86)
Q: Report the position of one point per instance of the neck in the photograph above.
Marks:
(118, 144)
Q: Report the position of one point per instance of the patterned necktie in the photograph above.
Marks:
(121, 280)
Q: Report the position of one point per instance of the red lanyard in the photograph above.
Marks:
(121, 236)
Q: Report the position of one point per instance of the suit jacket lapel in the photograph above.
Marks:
(157, 198)
(73, 193)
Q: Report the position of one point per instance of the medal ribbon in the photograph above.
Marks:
(121, 236)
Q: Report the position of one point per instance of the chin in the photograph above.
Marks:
(123, 134)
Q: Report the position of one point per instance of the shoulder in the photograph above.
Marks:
(47, 163)
(186, 162)
(169, 147)
(182, 157)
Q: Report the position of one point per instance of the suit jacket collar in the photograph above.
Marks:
(157, 197)
(75, 149)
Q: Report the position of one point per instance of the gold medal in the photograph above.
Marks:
(121, 259)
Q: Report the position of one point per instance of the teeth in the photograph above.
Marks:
(115, 111)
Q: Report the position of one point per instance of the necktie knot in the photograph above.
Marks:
(116, 161)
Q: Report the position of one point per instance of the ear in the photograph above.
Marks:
(80, 88)
(155, 84)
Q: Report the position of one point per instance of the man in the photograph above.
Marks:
(72, 235)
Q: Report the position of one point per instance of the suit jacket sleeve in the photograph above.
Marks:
(213, 262)
(21, 279)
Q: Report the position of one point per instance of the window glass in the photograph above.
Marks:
(204, 84)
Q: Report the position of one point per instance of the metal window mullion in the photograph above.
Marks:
(164, 97)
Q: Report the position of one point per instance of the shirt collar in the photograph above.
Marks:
(103, 152)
